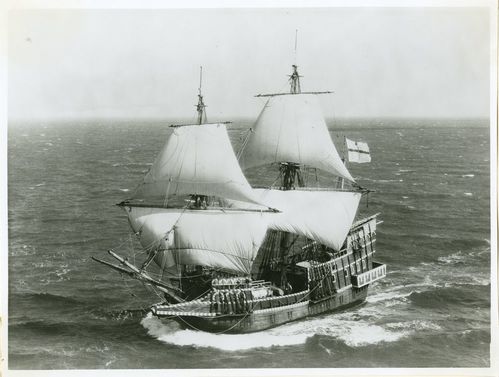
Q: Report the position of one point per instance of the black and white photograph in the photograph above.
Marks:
(248, 188)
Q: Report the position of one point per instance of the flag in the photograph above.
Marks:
(358, 151)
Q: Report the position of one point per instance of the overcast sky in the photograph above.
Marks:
(400, 62)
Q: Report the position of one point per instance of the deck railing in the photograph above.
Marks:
(378, 272)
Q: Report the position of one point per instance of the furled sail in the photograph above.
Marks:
(228, 240)
(358, 151)
(291, 128)
(196, 159)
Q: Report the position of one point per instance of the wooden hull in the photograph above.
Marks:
(263, 319)
(321, 287)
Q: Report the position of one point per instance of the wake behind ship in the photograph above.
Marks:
(231, 258)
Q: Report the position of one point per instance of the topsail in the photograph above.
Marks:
(196, 160)
(291, 128)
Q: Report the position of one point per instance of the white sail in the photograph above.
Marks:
(196, 159)
(228, 240)
(291, 128)
(324, 216)
(154, 228)
(358, 151)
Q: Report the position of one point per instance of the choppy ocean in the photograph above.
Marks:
(66, 312)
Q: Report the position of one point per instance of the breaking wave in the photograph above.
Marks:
(171, 333)
(341, 326)
(346, 327)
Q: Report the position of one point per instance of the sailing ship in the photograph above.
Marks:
(232, 258)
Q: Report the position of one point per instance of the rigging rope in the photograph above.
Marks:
(245, 142)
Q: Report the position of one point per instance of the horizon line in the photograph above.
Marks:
(214, 119)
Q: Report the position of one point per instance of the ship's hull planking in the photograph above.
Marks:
(267, 318)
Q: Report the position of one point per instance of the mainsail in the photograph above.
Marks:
(291, 128)
(324, 216)
(213, 238)
(196, 159)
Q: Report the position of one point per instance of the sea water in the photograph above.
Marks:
(431, 184)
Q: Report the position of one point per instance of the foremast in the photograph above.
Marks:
(197, 161)
(201, 107)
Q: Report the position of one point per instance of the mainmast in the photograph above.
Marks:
(290, 172)
(291, 132)
(294, 79)
(200, 107)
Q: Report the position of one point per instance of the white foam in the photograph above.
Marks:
(384, 180)
(353, 332)
(365, 334)
(414, 325)
(110, 362)
(468, 194)
(387, 296)
(477, 280)
(61, 274)
(453, 258)
(468, 175)
(446, 275)
(172, 333)
(341, 326)
(124, 190)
